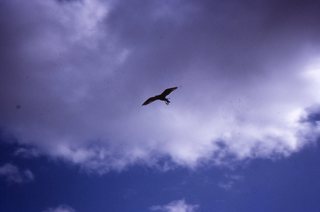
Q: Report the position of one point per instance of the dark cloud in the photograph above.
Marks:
(81, 69)
(13, 174)
(312, 115)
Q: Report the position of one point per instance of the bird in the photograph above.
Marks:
(161, 97)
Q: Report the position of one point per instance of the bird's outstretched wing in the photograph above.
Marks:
(168, 91)
(151, 99)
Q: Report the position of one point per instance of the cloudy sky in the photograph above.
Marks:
(241, 131)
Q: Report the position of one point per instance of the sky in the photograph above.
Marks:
(241, 132)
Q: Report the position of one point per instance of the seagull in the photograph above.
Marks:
(161, 97)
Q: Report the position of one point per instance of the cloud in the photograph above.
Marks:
(26, 152)
(14, 174)
(312, 115)
(60, 208)
(80, 70)
(175, 206)
(229, 181)
(311, 122)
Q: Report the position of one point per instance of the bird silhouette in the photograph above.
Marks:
(162, 96)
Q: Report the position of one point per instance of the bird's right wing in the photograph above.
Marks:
(168, 91)
(151, 99)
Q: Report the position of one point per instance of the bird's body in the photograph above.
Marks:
(162, 96)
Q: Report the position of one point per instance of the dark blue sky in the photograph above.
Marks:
(240, 134)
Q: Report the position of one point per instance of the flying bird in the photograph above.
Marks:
(162, 96)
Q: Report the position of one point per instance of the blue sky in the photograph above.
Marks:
(240, 134)
(288, 184)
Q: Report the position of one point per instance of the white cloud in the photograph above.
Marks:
(14, 174)
(60, 208)
(175, 206)
(79, 20)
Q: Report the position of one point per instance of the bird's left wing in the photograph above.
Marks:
(151, 99)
